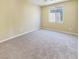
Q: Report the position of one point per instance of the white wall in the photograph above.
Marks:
(16, 17)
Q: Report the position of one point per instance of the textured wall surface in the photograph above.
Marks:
(17, 16)
(70, 17)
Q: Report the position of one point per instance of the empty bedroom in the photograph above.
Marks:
(38, 29)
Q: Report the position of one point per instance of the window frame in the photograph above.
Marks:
(62, 14)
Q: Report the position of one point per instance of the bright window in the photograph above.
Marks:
(56, 15)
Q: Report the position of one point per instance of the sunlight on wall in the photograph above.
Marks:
(16, 17)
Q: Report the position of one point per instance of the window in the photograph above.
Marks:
(56, 15)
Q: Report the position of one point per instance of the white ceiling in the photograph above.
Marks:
(45, 2)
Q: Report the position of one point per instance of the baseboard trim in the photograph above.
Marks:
(17, 35)
(60, 31)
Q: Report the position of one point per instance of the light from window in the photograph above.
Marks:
(56, 15)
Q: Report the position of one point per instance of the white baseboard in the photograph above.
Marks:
(17, 35)
(33, 31)
(61, 31)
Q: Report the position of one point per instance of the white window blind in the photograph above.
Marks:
(56, 15)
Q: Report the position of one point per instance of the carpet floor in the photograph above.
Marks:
(41, 44)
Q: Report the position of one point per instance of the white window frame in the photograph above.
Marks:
(61, 22)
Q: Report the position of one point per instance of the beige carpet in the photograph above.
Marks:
(40, 44)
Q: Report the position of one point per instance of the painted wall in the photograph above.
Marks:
(70, 17)
(16, 17)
